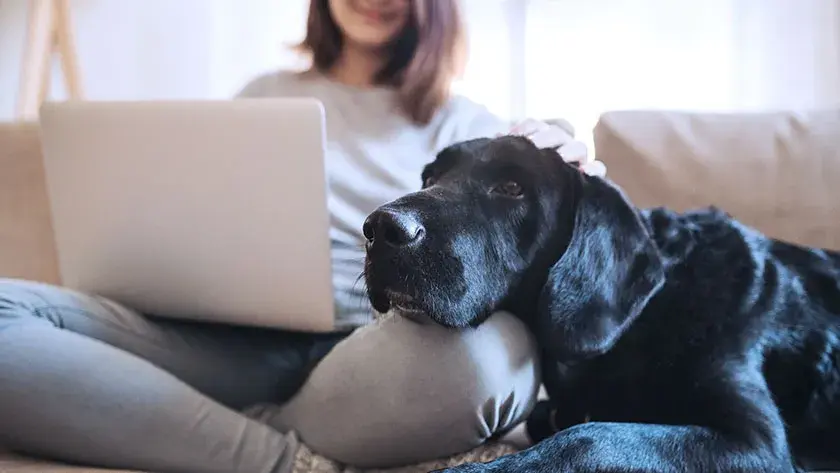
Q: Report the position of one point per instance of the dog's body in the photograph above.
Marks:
(671, 342)
(742, 339)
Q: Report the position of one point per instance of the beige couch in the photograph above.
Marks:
(778, 172)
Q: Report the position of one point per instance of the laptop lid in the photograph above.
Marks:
(206, 210)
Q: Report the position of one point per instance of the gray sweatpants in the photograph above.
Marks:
(87, 381)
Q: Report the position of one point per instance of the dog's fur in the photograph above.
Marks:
(671, 342)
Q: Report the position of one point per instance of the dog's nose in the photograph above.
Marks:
(393, 227)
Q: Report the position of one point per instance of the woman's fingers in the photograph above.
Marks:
(545, 135)
(529, 127)
(575, 152)
(551, 137)
(595, 168)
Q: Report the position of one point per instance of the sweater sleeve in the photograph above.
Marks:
(258, 87)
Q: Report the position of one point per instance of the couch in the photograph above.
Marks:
(778, 172)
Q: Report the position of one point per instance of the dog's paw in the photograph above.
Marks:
(540, 424)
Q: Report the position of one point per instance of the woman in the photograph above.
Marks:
(88, 381)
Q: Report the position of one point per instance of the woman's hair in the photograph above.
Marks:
(424, 58)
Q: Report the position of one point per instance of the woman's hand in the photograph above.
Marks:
(550, 135)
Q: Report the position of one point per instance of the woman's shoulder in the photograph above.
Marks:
(275, 83)
(460, 104)
(471, 118)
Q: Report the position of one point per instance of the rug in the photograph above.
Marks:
(305, 462)
(308, 462)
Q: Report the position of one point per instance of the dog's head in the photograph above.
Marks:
(503, 225)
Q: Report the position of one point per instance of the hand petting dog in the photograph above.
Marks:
(559, 135)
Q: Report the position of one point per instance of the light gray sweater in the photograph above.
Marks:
(374, 155)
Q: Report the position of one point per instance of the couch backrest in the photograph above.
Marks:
(778, 172)
(27, 248)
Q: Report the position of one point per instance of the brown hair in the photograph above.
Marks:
(424, 59)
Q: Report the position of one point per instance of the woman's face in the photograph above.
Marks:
(371, 24)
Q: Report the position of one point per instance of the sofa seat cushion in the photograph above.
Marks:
(306, 461)
(12, 463)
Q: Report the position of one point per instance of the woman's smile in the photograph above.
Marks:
(376, 15)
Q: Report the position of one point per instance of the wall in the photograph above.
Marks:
(542, 58)
(144, 49)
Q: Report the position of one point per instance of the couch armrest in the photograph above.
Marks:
(27, 245)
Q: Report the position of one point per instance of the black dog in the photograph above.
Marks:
(671, 342)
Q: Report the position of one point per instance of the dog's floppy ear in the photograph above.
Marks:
(609, 271)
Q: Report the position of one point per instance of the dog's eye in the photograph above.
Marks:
(509, 189)
(429, 181)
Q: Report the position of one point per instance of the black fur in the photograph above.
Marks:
(671, 342)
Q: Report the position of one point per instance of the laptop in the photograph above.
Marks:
(205, 210)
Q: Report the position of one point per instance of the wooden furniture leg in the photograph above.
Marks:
(48, 32)
(66, 42)
(35, 66)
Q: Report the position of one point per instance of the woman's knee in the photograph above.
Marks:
(21, 299)
(500, 378)
(24, 302)
(402, 392)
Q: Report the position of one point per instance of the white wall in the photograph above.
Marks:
(144, 49)
(542, 58)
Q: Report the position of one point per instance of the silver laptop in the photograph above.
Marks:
(208, 210)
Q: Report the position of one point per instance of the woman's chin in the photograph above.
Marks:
(370, 39)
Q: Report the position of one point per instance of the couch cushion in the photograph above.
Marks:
(11, 463)
(27, 248)
(306, 461)
(778, 172)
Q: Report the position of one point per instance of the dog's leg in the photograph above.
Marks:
(625, 448)
(745, 434)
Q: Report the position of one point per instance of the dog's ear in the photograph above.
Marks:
(609, 271)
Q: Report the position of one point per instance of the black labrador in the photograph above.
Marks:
(670, 342)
